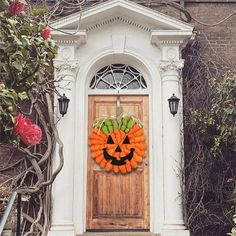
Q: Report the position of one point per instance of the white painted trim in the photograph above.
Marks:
(68, 37)
(177, 37)
(117, 90)
(121, 92)
(132, 47)
(154, 194)
(118, 19)
(128, 5)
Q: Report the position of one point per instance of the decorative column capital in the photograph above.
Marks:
(171, 65)
(65, 74)
(65, 68)
(68, 65)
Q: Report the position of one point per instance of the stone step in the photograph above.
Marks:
(119, 234)
(7, 233)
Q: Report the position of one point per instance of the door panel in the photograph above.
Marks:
(118, 201)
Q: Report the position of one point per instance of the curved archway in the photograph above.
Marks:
(130, 58)
(118, 77)
(134, 101)
(150, 73)
(106, 44)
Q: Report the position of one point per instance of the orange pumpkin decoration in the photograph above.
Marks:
(118, 146)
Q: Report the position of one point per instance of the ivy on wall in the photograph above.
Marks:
(210, 144)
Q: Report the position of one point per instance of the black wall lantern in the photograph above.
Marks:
(63, 104)
(173, 104)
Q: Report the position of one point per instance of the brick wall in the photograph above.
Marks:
(219, 40)
(222, 38)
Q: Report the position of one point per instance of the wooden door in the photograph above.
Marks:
(116, 201)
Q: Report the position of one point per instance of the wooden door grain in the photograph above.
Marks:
(116, 201)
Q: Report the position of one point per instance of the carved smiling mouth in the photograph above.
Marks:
(122, 160)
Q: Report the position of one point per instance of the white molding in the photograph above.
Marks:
(160, 37)
(150, 72)
(62, 230)
(118, 19)
(121, 92)
(118, 43)
(123, 5)
(62, 66)
(170, 66)
(70, 37)
(160, 66)
(172, 137)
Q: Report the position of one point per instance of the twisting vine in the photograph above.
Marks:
(210, 146)
(27, 90)
(27, 87)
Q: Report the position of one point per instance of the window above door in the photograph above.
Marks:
(118, 77)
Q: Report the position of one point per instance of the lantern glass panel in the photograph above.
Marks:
(173, 104)
(63, 104)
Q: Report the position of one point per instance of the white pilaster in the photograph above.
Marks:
(63, 188)
(172, 145)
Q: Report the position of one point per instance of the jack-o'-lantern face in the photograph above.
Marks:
(120, 148)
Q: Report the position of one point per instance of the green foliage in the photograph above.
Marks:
(210, 132)
(233, 231)
(3, 5)
(26, 72)
(9, 99)
(218, 124)
(25, 61)
(209, 137)
(24, 50)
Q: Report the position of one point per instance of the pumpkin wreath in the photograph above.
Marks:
(118, 146)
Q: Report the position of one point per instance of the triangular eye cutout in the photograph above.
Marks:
(110, 140)
(126, 140)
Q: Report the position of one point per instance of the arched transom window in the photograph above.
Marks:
(118, 77)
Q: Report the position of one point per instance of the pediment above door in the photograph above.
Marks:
(123, 34)
(161, 27)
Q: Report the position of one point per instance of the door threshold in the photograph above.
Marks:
(119, 233)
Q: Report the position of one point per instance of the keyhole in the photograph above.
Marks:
(118, 149)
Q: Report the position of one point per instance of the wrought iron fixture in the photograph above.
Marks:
(63, 104)
(173, 104)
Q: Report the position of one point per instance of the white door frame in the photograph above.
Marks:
(150, 42)
(76, 169)
(155, 186)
